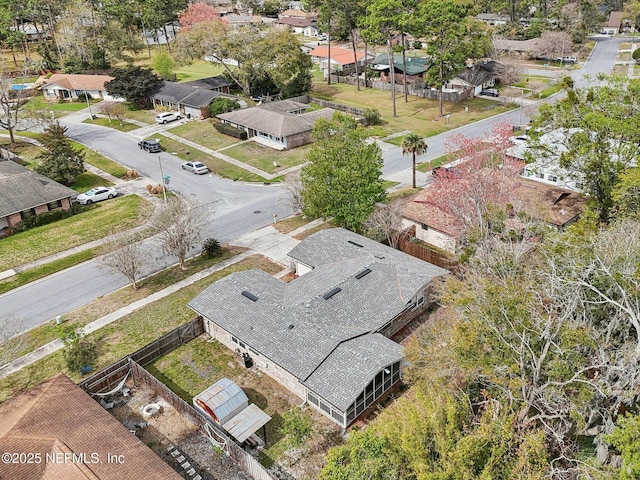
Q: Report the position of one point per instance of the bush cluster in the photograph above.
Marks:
(229, 130)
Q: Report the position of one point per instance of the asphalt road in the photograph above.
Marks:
(601, 60)
(237, 208)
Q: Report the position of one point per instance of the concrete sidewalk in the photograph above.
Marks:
(266, 241)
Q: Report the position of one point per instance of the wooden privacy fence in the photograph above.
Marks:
(109, 377)
(337, 106)
(245, 461)
(418, 251)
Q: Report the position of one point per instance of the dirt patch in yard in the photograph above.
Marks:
(170, 428)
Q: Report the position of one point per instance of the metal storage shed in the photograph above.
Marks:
(221, 401)
(225, 403)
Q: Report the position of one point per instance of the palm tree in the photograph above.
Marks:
(415, 145)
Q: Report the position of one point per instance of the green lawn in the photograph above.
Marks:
(25, 150)
(103, 163)
(113, 123)
(263, 157)
(197, 70)
(88, 180)
(130, 332)
(135, 113)
(203, 133)
(50, 268)
(421, 114)
(95, 222)
(38, 103)
(79, 317)
(397, 141)
(425, 166)
(216, 165)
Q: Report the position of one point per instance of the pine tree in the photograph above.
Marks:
(60, 161)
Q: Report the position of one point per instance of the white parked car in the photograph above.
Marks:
(167, 117)
(97, 194)
(195, 167)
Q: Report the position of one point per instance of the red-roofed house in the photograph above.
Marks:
(342, 60)
(67, 87)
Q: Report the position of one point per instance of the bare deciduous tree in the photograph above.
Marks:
(11, 344)
(179, 226)
(554, 45)
(130, 258)
(385, 223)
(114, 109)
(293, 189)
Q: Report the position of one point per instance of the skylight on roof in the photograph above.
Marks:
(364, 272)
(331, 293)
(249, 295)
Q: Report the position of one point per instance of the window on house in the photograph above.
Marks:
(553, 178)
(540, 175)
(312, 398)
(235, 340)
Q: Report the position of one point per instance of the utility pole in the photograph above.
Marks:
(164, 190)
(86, 97)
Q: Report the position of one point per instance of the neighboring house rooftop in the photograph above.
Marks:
(548, 203)
(296, 21)
(422, 210)
(415, 65)
(321, 327)
(76, 82)
(58, 418)
(338, 54)
(615, 20)
(526, 46)
(267, 119)
(183, 94)
(21, 189)
(481, 72)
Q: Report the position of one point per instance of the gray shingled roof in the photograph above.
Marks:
(295, 327)
(354, 362)
(184, 94)
(272, 122)
(22, 189)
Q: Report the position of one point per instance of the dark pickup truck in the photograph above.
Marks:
(151, 146)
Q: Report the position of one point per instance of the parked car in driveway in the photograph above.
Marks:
(167, 117)
(490, 92)
(151, 146)
(195, 167)
(97, 194)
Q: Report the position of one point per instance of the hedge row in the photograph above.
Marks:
(229, 130)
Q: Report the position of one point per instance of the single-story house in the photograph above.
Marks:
(61, 432)
(493, 18)
(324, 335)
(614, 23)
(33, 31)
(310, 31)
(24, 193)
(526, 48)
(342, 60)
(219, 83)
(555, 206)
(280, 125)
(60, 86)
(186, 99)
(478, 77)
(297, 24)
(546, 168)
(416, 68)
